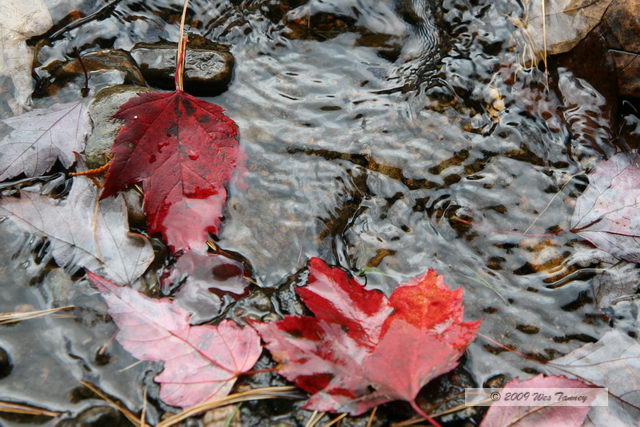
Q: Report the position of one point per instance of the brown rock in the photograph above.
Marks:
(628, 72)
(623, 22)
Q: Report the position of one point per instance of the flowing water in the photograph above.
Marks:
(371, 143)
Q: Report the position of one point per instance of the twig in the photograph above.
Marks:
(104, 10)
(127, 413)
(544, 43)
(230, 418)
(551, 201)
(424, 415)
(85, 90)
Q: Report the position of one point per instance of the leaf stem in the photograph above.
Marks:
(182, 48)
(424, 415)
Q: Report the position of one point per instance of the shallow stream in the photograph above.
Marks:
(371, 143)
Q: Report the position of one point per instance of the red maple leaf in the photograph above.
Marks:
(200, 362)
(362, 349)
(183, 150)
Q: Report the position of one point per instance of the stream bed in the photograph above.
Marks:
(372, 143)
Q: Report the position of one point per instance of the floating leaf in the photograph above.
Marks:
(559, 25)
(40, 137)
(83, 232)
(183, 150)
(200, 362)
(362, 349)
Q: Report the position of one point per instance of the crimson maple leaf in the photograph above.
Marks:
(362, 349)
(183, 150)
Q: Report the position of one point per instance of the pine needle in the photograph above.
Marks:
(544, 42)
(286, 392)
(143, 414)
(17, 408)
(127, 413)
(7, 318)
(314, 419)
(372, 417)
(336, 420)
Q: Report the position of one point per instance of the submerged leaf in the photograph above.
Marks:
(612, 362)
(82, 231)
(534, 416)
(200, 362)
(559, 24)
(183, 150)
(607, 214)
(362, 349)
(204, 278)
(40, 137)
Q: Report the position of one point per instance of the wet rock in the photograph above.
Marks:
(622, 22)
(98, 416)
(207, 72)
(628, 74)
(104, 68)
(225, 416)
(5, 363)
(105, 104)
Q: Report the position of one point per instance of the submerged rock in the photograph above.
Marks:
(207, 72)
(628, 73)
(105, 104)
(96, 416)
(104, 68)
(622, 22)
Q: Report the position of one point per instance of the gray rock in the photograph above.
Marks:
(105, 104)
(96, 416)
(207, 72)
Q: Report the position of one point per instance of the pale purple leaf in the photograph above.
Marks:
(607, 213)
(35, 140)
(82, 231)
